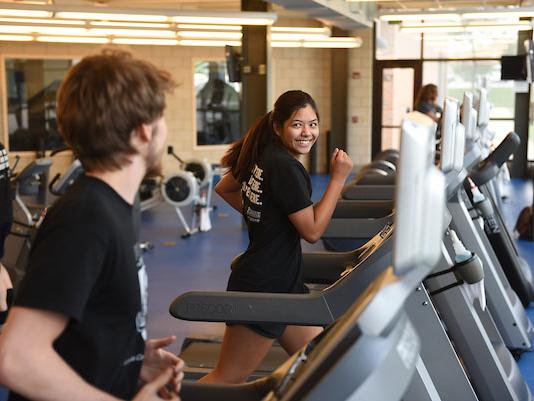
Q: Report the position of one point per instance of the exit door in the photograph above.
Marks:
(396, 84)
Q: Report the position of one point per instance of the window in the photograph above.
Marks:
(455, 77)
(217, 104)
(31, 87)
(482, 44)
(392, 44)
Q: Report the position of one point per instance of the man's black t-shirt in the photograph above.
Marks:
(277, 186)
(85, 265)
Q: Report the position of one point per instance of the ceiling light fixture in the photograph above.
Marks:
(192, 42)
(209, 35)
(72, 39)
(138, 41)
(111, 16)
(207, 26)
(129, 24)
(151, 33)
(16, 38)
(421, 17)
(323, 30)
(25, 13)
(193, 19)
(41, 21)
(298, 36)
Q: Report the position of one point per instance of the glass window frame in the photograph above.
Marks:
(4, 138)
(196, 146)
(377, 67)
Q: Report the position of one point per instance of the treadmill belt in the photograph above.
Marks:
(200, 357)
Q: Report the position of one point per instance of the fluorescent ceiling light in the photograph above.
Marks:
(132, 32)
(71, 39)
(112, 17)
(207, 26)
(298, 36)
(42, 21)
(158, 42)
(25, 13)
(286, 44)
(432, 29)
(491, 28)
(209, 35)
(58, 30)
(16, 38)
(420, 17)
(499, 14)
(129, 24)
(331, 44)
(221, 20)
(429, 28)
(324, 30)
(192, 42)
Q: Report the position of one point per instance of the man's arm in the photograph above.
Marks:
(30, 366)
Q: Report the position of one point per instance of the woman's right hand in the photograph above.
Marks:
(158, 389)
(340, 165)
(5, 284)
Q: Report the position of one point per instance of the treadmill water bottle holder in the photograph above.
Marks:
(469, 271)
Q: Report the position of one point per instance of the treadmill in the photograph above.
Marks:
(373, 342)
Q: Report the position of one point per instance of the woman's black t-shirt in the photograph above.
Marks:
(277, 186)
(85, 264)
(6, 212)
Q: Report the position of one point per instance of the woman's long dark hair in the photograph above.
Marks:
(425, 93)
(244, 153)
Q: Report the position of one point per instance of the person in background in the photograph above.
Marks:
(77, 330)
(426, 102)
(267, 183)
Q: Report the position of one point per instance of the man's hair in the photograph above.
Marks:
(102, 100)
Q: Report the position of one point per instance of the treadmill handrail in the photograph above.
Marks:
(489, 167)
(257, 307)
(37, 166)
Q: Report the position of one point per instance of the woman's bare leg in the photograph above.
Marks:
(242, 351)
(296, 337)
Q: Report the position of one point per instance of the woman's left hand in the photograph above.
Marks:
(157, 360)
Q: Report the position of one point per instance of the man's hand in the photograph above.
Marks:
(158, 360)
(157, 389)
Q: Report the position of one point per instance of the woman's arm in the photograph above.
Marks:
(230, 190)
(312, 221)
(5, 284)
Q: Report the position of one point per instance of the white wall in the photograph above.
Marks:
(305, 69)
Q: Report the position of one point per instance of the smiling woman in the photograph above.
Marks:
(267, 184)
(300, 132)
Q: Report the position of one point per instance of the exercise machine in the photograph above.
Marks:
(190, 187)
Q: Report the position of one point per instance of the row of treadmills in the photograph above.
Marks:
(430, 307)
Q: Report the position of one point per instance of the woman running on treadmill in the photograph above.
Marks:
(426, 102)
(267, 184)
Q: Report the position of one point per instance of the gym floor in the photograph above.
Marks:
(202, 262)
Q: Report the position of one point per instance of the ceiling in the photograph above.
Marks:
(444, 4)
(235, 4)
(211, 5)
(346, 14)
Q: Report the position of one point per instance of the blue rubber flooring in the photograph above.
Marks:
(202, 262)
(521, 196)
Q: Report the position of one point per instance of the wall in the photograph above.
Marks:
(306, 69)
(359, 102)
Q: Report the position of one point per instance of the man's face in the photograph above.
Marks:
(157, 146)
